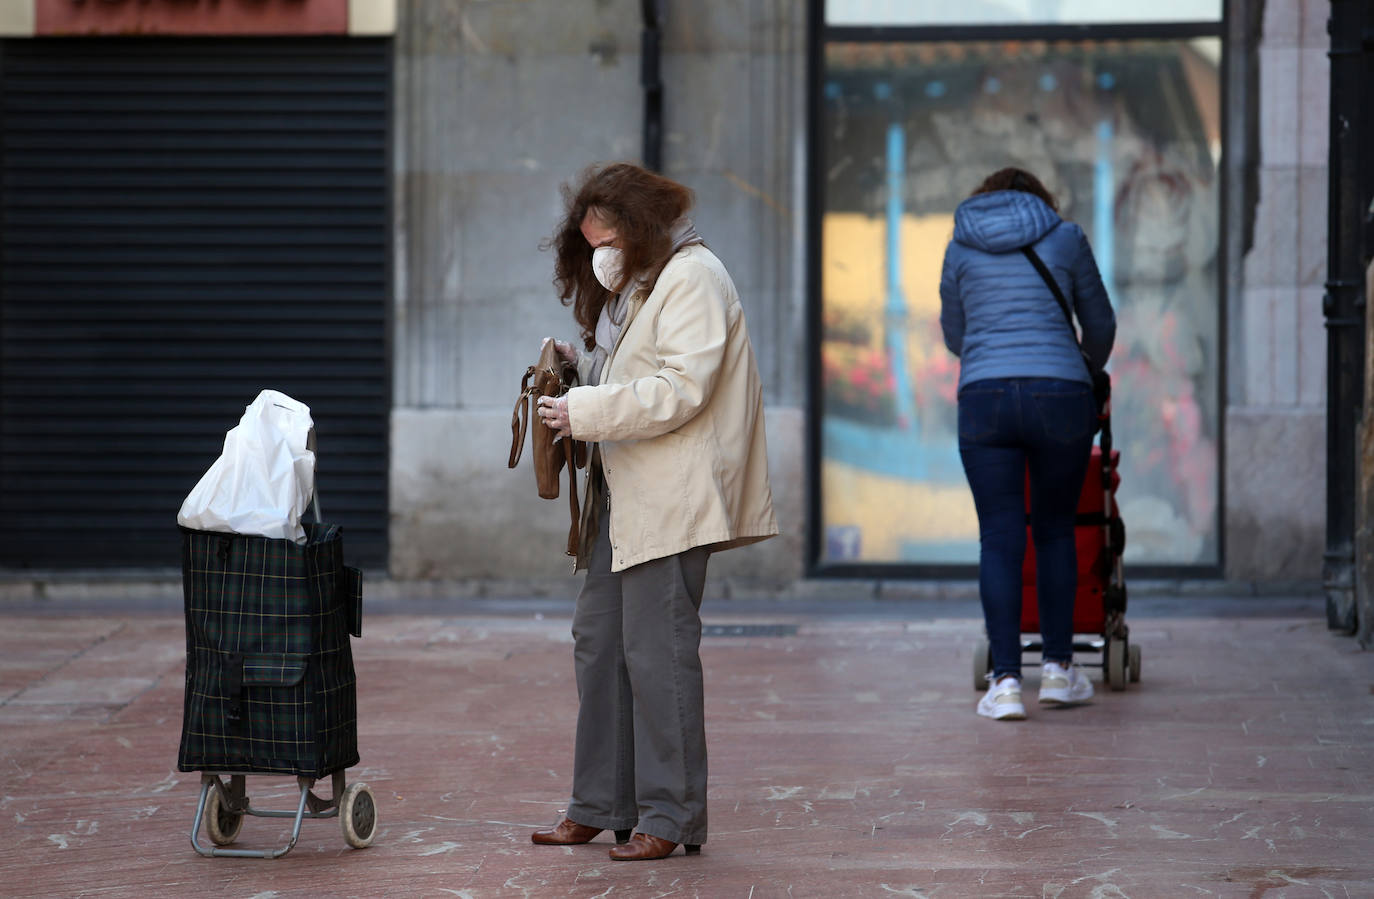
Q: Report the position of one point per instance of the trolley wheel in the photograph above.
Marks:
(221, 824)
(1114, 667)
(982, 663)
(1134, 664)
(358, 815)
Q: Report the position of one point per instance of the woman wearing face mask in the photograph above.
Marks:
(672, 405)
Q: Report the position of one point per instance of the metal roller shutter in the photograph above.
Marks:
(184, 222)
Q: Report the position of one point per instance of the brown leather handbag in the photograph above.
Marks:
(550, 376)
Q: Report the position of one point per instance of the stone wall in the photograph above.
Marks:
(496, 105)
(1275, 457)
(499, 102)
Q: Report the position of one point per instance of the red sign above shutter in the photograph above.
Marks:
(76, 18)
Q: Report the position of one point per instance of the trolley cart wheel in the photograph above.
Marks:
(1134, 664)
(982, 663)
(1115, 665)
(221, 825)
(358, 815)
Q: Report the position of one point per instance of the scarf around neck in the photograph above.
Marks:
(612, 319)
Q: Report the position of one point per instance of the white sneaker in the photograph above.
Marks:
(1064, 686)
(1003, 701)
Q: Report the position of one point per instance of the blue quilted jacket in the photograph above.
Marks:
(996, 312)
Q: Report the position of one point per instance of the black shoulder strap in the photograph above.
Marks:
(1063, 303)
(1053, 286)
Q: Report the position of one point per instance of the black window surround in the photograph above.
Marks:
(818, 36)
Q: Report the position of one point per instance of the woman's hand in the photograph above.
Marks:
(553, 411)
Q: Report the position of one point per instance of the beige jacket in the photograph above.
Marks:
(678, 414)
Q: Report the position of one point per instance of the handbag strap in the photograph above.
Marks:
(1053, 285)
(569, 456)
(519, 419)
(574, 456)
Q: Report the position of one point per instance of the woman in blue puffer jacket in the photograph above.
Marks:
(1025, 398)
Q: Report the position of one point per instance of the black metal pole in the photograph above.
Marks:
(1343, 307)
(650, 79)
(1364, 527)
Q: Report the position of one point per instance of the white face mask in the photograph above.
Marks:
(606, 264)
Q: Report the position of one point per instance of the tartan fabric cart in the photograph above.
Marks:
(270, 686)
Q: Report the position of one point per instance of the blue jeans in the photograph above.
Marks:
(1005, 425)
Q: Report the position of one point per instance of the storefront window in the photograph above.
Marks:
(1001, 12)
(1126, 134)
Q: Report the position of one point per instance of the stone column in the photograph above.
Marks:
(1275, 451)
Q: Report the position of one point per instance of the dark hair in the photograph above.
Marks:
(1012, 178)
(641, 206)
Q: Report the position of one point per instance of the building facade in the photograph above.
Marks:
(827, 143)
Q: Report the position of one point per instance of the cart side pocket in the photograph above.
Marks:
(273, 669)
(351, 593)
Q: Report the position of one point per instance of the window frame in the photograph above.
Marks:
(819, 35)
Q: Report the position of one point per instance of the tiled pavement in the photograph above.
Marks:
(846, 760)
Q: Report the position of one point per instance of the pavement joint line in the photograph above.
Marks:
(78, 653)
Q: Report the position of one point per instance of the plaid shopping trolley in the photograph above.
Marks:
(270, 686)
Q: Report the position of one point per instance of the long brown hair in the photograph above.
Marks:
(1012, 178)
(640, 206)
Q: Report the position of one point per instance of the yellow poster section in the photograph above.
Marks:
(890, 511)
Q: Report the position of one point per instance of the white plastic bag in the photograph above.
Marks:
(263, 481)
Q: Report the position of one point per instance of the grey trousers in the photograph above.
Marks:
(640, 754)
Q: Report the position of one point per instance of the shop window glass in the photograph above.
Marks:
(1126, 134)
(1002, 12)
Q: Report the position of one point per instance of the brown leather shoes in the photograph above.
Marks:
(644, 848)
(569, 833)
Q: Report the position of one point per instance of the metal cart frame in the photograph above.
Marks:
(222, 808)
